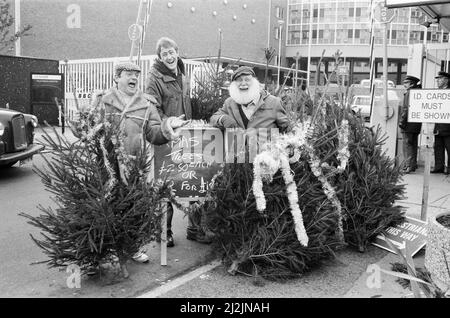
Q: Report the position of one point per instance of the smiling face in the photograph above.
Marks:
(244, 89)
(169, 56)
(127, 82)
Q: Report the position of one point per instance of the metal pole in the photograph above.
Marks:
(426, 173)
(297, 57)
(17, 25)
(385, 71)
(426, 128)
(279, 55)
(309, 47)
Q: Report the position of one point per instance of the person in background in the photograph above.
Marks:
(168, 83)
(410, 131)
(442, 133)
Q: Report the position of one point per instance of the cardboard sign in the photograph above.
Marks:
(190, 163)
(429, 106)
(412, 232)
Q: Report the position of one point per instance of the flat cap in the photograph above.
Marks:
(126, 66)
(443, 74)
(410, 78)
(242, 70)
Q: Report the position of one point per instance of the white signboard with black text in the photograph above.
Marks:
(429, 106)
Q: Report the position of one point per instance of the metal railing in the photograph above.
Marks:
(82, 77)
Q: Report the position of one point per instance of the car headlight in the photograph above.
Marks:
(2, 129)
(34, 121)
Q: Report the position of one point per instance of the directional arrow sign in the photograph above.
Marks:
(412, 232)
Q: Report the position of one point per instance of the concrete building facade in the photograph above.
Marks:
(331, 25)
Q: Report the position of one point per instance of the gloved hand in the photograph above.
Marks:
(228, 122)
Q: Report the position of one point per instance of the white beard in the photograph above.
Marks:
(245, 97)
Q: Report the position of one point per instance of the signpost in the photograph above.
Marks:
(382, 14)
(134, 32)
(412, 232)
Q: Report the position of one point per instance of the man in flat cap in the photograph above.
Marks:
(410, 131)
(442, 133)
(249, 106)
(137, 114)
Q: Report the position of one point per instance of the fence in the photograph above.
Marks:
(82, 77)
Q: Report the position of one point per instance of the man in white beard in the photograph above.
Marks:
(249, 106)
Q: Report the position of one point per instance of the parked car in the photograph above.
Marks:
(361, 103)
(378, 83)
(16, 137)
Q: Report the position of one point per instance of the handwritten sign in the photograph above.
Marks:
(412, 232)
(429, 106)
(190, 163)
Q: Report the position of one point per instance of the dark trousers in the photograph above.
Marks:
(410, 145)
(169, 217)
(441, 143)
(193, 222)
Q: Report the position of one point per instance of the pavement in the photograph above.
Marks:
(189, 263)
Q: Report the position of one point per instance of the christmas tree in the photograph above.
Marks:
(104, 205)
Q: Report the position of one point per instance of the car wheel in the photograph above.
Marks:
(8, 165)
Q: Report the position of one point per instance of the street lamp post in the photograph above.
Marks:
(280, 24)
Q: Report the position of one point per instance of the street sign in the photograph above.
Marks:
(429, 106)
(134, 32)
(412, 232)
(343, 70)
(382, 14)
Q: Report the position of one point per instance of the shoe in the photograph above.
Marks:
(408, 170)
(198, 237)
(437, 171)
(141, 257)
(170, 242)
(191, 235)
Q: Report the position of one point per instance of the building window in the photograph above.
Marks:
(351, 12)
(394, 34)
(358, 12)
(279, 12)
(305, 13)
(357, 34)
(305, 34)
(445, 37)
(350, 34)
(276, 32)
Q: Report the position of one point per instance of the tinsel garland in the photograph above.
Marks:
(276, 157)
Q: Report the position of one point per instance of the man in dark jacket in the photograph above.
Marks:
(169, 85)
(410, 131)
(442, 133)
